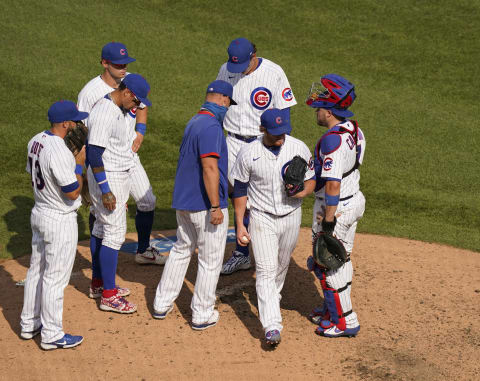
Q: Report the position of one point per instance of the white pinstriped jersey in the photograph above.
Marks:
(341, 160)
(51, 166)
(111, 127)
(262, 169)
(266, 87)
(94, 90)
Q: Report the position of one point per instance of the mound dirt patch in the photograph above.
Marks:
(418, 306)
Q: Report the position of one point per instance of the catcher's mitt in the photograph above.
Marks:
(294, 175)
(76, 137)
(328, 251)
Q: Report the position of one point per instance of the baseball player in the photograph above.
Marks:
(200, 197)
(111, 175)
(258, 84)
(57, 182)
(114, 60)
(339, 203)
(274, 218)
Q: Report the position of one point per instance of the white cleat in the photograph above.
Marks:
(151, 256)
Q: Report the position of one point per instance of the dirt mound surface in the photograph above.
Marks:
(418, 306)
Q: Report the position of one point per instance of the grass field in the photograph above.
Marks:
(415, 65)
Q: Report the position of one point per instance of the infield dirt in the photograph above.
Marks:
(418, 306)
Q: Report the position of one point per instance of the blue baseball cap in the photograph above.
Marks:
(221, 87)
(139, 87)
(276, 122)
(116, 53)
(240, 52)
(62, 111)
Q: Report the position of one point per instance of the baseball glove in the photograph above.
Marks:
(328, 251)
(294, 175)
(76, 137)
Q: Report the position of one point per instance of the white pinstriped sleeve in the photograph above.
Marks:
(62, 166)
(283, 95)
(100, 125)
(307, 156)
(241, 170)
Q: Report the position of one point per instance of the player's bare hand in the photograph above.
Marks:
(243, 238)
(80, 157)
(137, 143)
(216, 216)
(109, 201)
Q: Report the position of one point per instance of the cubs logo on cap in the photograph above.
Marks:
(261, 98)
(240, 52)
(117, 53)
(276, 122)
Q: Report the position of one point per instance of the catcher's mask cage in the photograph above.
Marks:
(333, 91)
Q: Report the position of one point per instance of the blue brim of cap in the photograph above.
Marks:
(237, 67)
(342, 113)
(124, 61)
(280, 130)
(145, 101)
(81, 115)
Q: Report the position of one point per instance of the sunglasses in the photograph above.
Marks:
(135, 99)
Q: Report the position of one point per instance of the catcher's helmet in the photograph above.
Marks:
(333, 92)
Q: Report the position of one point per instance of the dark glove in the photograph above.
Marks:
(294, 176)
(328, 251)
(329, 227)
(76, 137)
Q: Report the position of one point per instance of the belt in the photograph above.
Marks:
(247, 139)
(342, 199)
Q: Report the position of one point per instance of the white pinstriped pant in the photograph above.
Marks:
(194, 230)
(111, 226)
(141, 190)
(351, 211)
(54, 244)
(273, 240)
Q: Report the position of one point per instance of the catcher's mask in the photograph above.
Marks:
(332, 92)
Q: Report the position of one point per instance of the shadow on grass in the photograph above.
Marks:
(18, 222)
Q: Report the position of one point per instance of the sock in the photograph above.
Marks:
(143, 223)
(108, 262)
(243, 249)
(95, 244)
(91, 221)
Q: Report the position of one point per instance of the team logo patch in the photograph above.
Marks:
(287, 94)
(261, 98)
(311, 165)
(234, 59)
(327, 163)
(123, 52)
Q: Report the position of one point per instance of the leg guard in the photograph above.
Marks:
(333, 304)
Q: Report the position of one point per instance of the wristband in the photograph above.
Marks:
(104, 187)
(215, 207)
(141, 127)
(78, 169)
(332, 200)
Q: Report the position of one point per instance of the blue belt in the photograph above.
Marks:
(247, 139)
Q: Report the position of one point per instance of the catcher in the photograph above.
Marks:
(338, 206)
(75, 140)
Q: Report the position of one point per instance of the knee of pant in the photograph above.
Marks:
(147, 203)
